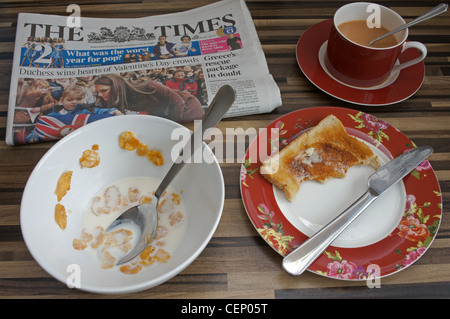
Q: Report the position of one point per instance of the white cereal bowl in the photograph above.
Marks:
(203, 195)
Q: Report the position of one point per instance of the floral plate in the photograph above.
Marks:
(421, 210)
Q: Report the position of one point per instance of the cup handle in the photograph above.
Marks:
(408, 45)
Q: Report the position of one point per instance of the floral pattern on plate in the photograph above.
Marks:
(407, 242)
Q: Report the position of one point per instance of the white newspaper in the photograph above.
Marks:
(67, 74)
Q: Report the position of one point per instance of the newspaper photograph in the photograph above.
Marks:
(65, 76)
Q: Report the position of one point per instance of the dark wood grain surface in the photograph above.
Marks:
(237, 263)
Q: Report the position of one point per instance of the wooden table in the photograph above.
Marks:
(238, 263)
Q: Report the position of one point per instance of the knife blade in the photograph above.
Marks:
(379, 182)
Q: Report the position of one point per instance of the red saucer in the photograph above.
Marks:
(308, 46)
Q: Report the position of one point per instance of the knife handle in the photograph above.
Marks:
(297, 261)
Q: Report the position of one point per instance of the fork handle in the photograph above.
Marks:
(297, 261)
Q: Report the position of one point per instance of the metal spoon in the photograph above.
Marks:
(427, 15)
(145, 216)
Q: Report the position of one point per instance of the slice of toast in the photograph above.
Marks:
(326, 151)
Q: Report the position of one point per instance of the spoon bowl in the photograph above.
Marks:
(145, 216)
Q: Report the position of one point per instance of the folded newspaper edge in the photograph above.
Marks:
(67, 72)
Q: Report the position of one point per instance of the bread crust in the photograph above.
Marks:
(326, 151)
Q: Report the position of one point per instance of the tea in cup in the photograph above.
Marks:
(358, 31)
(349, 57)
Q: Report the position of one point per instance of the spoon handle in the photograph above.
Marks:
(219, 106)
(427, 15)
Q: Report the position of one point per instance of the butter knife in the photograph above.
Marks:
(380, 181)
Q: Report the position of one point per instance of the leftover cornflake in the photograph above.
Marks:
(128, 141)
(108, 260)
(61, 216)
(130, 269)
(162, 256)
(155, 157)
(95, 239)
(63, 185)
(175, 218)
(142, 149)
(90, 158)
